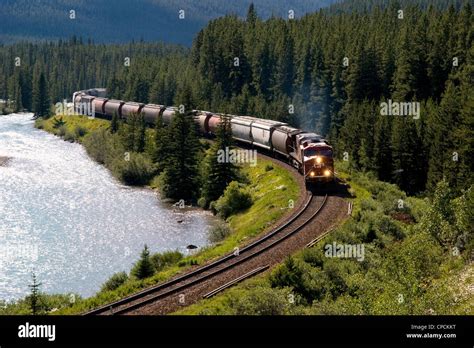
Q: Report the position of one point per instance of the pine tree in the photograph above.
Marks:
(41, 97)
(180, 179)
(252, 14)
(144, 267)
(141, 134)
(35, 295)
(161, 150)
(217, 172)
(114, 124)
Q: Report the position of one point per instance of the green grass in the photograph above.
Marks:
(272, 187)
(431, 279)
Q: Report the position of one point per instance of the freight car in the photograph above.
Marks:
(308, 152)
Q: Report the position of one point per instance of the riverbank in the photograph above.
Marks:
(4, 160)
(66, 218)
(274, 192)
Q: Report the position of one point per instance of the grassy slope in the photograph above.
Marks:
(271, 190)
(449, 291)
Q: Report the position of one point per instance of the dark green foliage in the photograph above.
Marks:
(219, 232)
(161, 260)
(41, 104)
(234, 200)
(180, 178)
(144, 267)
(35, 296)
(133, 169)
(161, 149)
(114, 124)
(114, 281)
(218, 173)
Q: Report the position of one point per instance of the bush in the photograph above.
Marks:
(80, 131)
(69, 136)
(137, 171)
(61, 131)
(234, 200)
(268, 167)
(161, 260)
(219, 232)
(114, 281)
(96, 145)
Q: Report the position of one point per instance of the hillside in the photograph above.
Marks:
(123, 20)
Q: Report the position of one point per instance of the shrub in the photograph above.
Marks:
(219, 232)
(234, 200)
(268, 167)
(61, 131)
(80, 131)
(114, 281)
(96, 145)
(161, 260)
(137, 171)
(68, 136)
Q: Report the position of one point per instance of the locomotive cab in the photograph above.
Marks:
(318, 163)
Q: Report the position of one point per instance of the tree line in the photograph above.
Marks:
(328, 71)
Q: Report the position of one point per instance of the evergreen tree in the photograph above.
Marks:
(180, 179)
(34, 297)
(161, 150)
(218, 172)
(144, 267)
(114, 124)
(141, 134)
(40, 98)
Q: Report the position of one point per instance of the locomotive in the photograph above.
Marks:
(310, 153)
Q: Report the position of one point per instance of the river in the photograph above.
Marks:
(64, 217)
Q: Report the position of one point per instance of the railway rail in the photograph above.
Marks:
(179, 285)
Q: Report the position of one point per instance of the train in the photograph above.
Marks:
(308, 152)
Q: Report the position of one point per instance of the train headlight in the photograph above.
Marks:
(327, 173)
(319, 159)
(312, 174)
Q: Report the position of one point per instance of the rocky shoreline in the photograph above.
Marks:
(4, 160)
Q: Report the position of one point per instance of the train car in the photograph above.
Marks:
(86, 105)
(151, 112)
(308, 152)
(262, 131)
(76, 100)
(202, 119)
(112, 107)
(284, 140)
(241, 129)
(316, 157)
(168, 115)
(99, 104)
(130, 108)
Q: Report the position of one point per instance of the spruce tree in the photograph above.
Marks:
(180, 179)
(161, 150)
(41, 96)
(114, 124)
(144, 267)
(141, 134)
(218, 173)
(35, 295)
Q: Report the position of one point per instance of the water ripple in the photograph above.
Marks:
(64, 216)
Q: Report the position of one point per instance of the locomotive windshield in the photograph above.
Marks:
(318, 152)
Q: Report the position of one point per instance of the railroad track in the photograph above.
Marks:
(312, 206)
